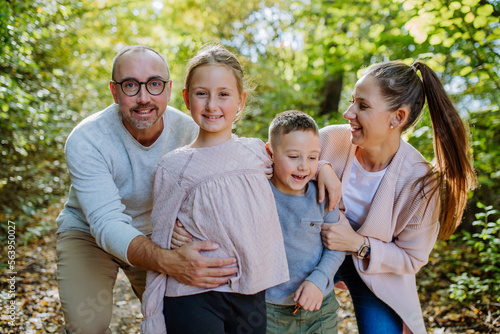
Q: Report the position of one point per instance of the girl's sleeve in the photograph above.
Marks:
(167, 200)
(258, 148)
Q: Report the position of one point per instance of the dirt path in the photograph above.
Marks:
(127, 310)
(127, 314)
(37, 298)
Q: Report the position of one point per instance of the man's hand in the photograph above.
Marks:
(327, 179)
(308, 296)
(185, 264)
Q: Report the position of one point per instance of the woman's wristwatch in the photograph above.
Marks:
(364, 250)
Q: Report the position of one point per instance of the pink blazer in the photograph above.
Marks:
(402, 226)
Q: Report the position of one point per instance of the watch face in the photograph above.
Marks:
(367, 251)
(364, 251)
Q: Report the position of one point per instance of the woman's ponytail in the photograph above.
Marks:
(454, 171)
(452, 176)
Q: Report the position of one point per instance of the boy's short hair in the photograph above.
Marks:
(288, 121)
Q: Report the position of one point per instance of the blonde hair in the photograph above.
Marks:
(216, 54)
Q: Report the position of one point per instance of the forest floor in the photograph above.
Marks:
(37, 308)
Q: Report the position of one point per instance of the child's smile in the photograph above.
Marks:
(295, 161)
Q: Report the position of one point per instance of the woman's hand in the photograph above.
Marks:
(180, 236)
(340, 236)
(327, 179)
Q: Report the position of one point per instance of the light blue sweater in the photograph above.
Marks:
(111, 192)
(301, 218)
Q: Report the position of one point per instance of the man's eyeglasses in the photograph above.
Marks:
(132, 87)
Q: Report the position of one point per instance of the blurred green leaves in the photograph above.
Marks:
(56, 59)
(35, 109)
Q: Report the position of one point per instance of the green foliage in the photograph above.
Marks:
(56, 59)
(485, 143)
(481, 280)
(55, 67)
(311, 45)
(35, 110)
(466, 33)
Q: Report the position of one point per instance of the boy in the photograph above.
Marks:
(306, 303)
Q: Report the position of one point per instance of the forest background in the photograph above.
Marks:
(55, 64)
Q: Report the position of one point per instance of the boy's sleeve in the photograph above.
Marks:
(323, 275)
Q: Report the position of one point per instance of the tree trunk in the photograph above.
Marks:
(331, 94)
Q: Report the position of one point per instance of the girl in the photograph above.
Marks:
(391, 195)
(217, 188)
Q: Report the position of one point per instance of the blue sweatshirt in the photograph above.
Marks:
(301, 218)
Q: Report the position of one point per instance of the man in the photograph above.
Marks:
(106, 220)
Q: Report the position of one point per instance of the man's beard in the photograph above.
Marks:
(141, 123)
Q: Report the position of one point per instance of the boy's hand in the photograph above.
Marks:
(308, 296)
(180, 236)
(327, 179)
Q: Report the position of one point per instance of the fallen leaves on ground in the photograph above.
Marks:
(37, 307)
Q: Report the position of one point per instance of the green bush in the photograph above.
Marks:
(481, 281)
(37, 100)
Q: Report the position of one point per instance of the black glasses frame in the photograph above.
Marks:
(145, 83)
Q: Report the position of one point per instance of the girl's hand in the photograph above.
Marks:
(340, 236)
(269, 172)
(308, 296)
(180, 236)
(327, 179)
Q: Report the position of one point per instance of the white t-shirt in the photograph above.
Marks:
(359, 193)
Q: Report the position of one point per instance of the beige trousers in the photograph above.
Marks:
(86, 275)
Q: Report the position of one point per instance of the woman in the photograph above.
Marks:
(392, 198)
